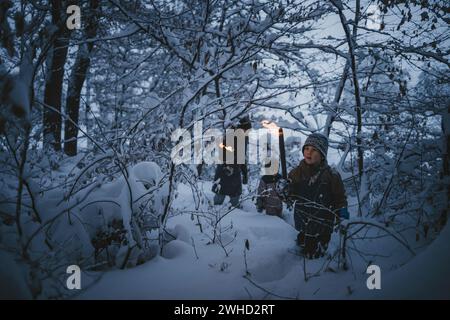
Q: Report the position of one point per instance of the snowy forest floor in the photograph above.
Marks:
(190, 267)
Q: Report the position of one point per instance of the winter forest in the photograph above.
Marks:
(100, 99)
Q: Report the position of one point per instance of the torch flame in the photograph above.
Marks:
(228, 148)
(271, 126)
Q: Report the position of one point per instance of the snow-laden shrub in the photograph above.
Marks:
(14, 100)
(121, 215)
(403, 186)
(105, 224)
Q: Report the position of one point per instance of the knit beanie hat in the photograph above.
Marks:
(318, 141)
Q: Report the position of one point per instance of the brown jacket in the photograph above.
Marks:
(303, 173)
(268, 198)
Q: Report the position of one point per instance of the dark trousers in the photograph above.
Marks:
(314, 233)
(220, 198)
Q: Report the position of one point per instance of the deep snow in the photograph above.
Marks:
(192, 268)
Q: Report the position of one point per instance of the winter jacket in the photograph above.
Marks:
(318, 193)
(268, 198)
(228, 178)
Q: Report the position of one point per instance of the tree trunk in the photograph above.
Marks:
(77, 78)
(446, 163)
(54, 84)
(351, 42)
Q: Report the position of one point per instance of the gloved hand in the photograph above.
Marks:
(215, 187)
(343, 213)
(244, 180)
(282, 189)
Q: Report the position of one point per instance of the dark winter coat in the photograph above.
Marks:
(228, 178)
(318, 193)
(268, 198)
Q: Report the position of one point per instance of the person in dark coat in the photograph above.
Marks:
(268, 198)
(319, 196)
(227, 182)
(227, 179)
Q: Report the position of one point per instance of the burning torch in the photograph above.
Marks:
(226, 150)
(278, 131)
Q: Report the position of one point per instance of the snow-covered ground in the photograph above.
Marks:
(427, 276)
(253, 255)
(190, 267)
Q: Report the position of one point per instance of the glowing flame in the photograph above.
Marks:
(228, 148)
(271, 126)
